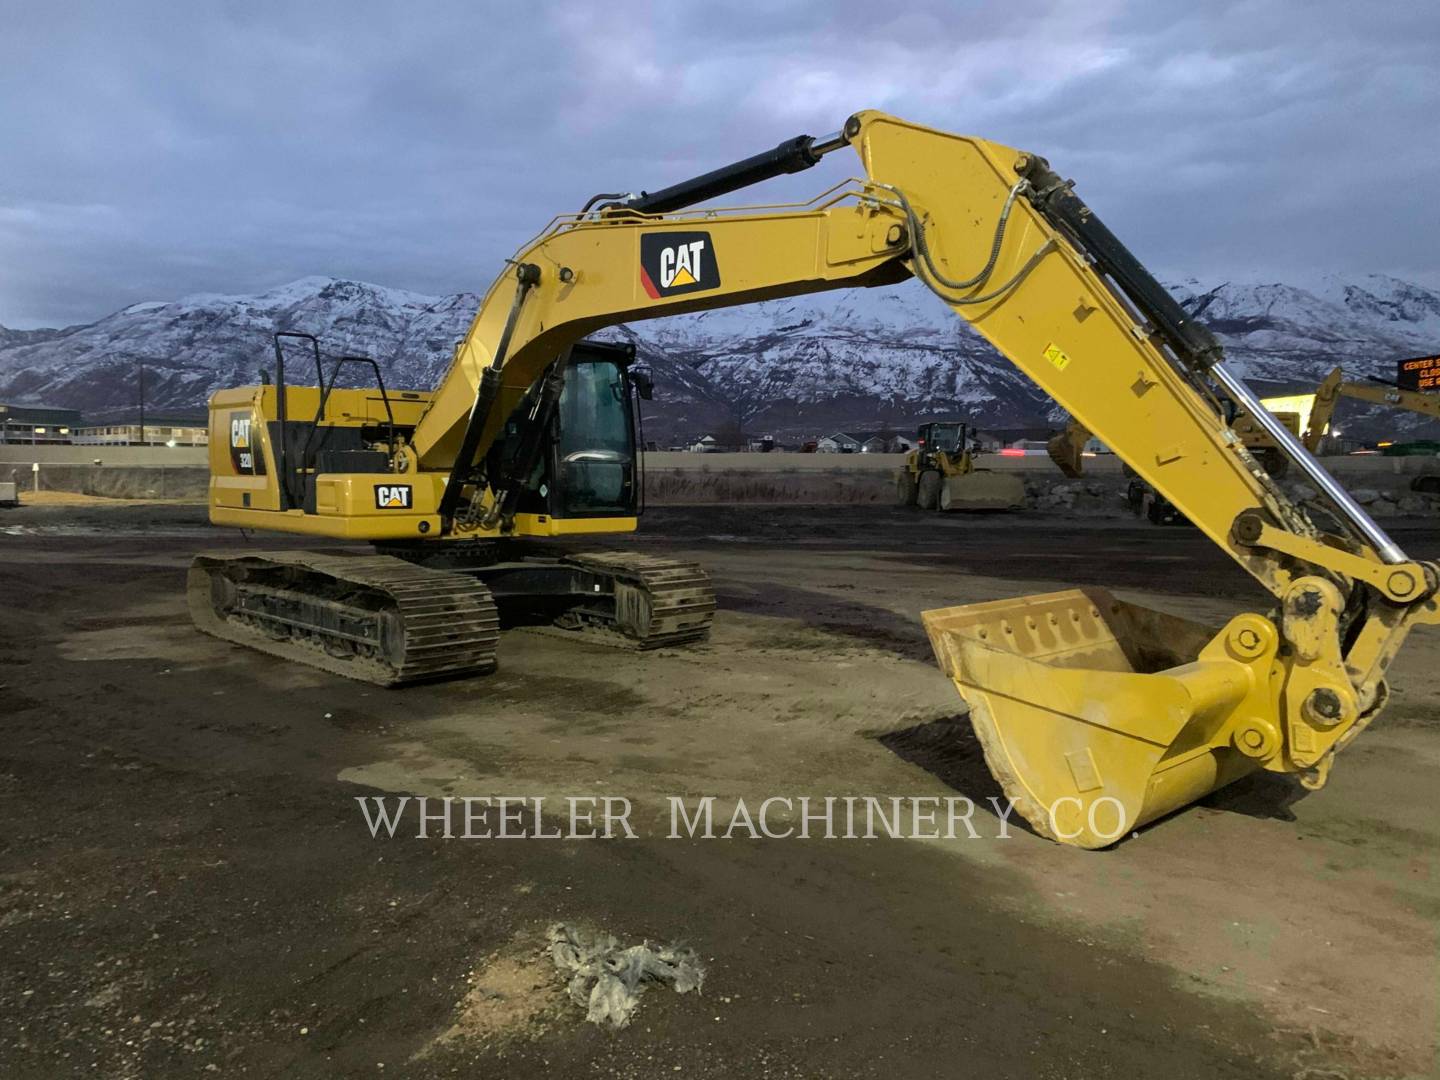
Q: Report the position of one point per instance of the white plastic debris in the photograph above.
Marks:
(608, 980)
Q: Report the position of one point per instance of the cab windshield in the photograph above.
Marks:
(944, 437)
(596, 451)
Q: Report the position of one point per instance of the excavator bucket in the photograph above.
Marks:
(981, 489)
(1096, 715)
(1066, 454)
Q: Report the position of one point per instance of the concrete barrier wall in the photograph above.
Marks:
(179, 456)
(1377, 465)
(117, 482)
(848, 464)
(1102, 464)
(691, 487)
(780, 479)
(12, 454)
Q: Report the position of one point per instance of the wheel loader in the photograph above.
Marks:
(1067, 450)
(1096, 715)
(940, 474)
(1067, 446)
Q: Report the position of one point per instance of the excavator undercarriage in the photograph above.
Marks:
(404, 616)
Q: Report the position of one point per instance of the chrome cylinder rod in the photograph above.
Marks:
(826, 144)
(1294, 449)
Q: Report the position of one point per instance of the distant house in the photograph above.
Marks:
(706, 444)
(838, 443)
(884, 441)
(865, 442)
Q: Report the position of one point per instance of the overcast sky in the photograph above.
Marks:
(157, 149)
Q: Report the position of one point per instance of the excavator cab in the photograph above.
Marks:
(587, 466)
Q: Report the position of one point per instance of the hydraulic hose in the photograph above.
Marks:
(922, 247)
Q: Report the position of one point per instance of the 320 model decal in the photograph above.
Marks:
(243, 455)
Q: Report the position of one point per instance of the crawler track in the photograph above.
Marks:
(374, 618)
(657, 602)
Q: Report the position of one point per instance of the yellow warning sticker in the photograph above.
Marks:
(1057, 356)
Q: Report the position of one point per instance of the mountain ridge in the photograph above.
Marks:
(859, 358)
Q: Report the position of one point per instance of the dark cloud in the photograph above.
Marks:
(158, 149)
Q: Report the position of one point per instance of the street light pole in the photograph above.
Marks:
(142, 404)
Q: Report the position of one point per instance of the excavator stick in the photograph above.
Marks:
(1097, 716)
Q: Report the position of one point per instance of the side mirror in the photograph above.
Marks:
(643, 383)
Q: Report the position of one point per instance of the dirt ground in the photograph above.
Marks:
(187, 885)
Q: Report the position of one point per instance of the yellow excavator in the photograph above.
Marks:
(1095, 714)
(1067, 450)
(1067, 446)
(1335, 386)
(941, 474)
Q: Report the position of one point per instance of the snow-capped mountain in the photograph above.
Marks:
(862, 358)
(859, 359)
(194, 346)
(10, 337)
(191, 347)
(1279, 333)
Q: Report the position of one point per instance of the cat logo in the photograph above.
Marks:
(242, 454)
(674, 263)
(392, 496)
